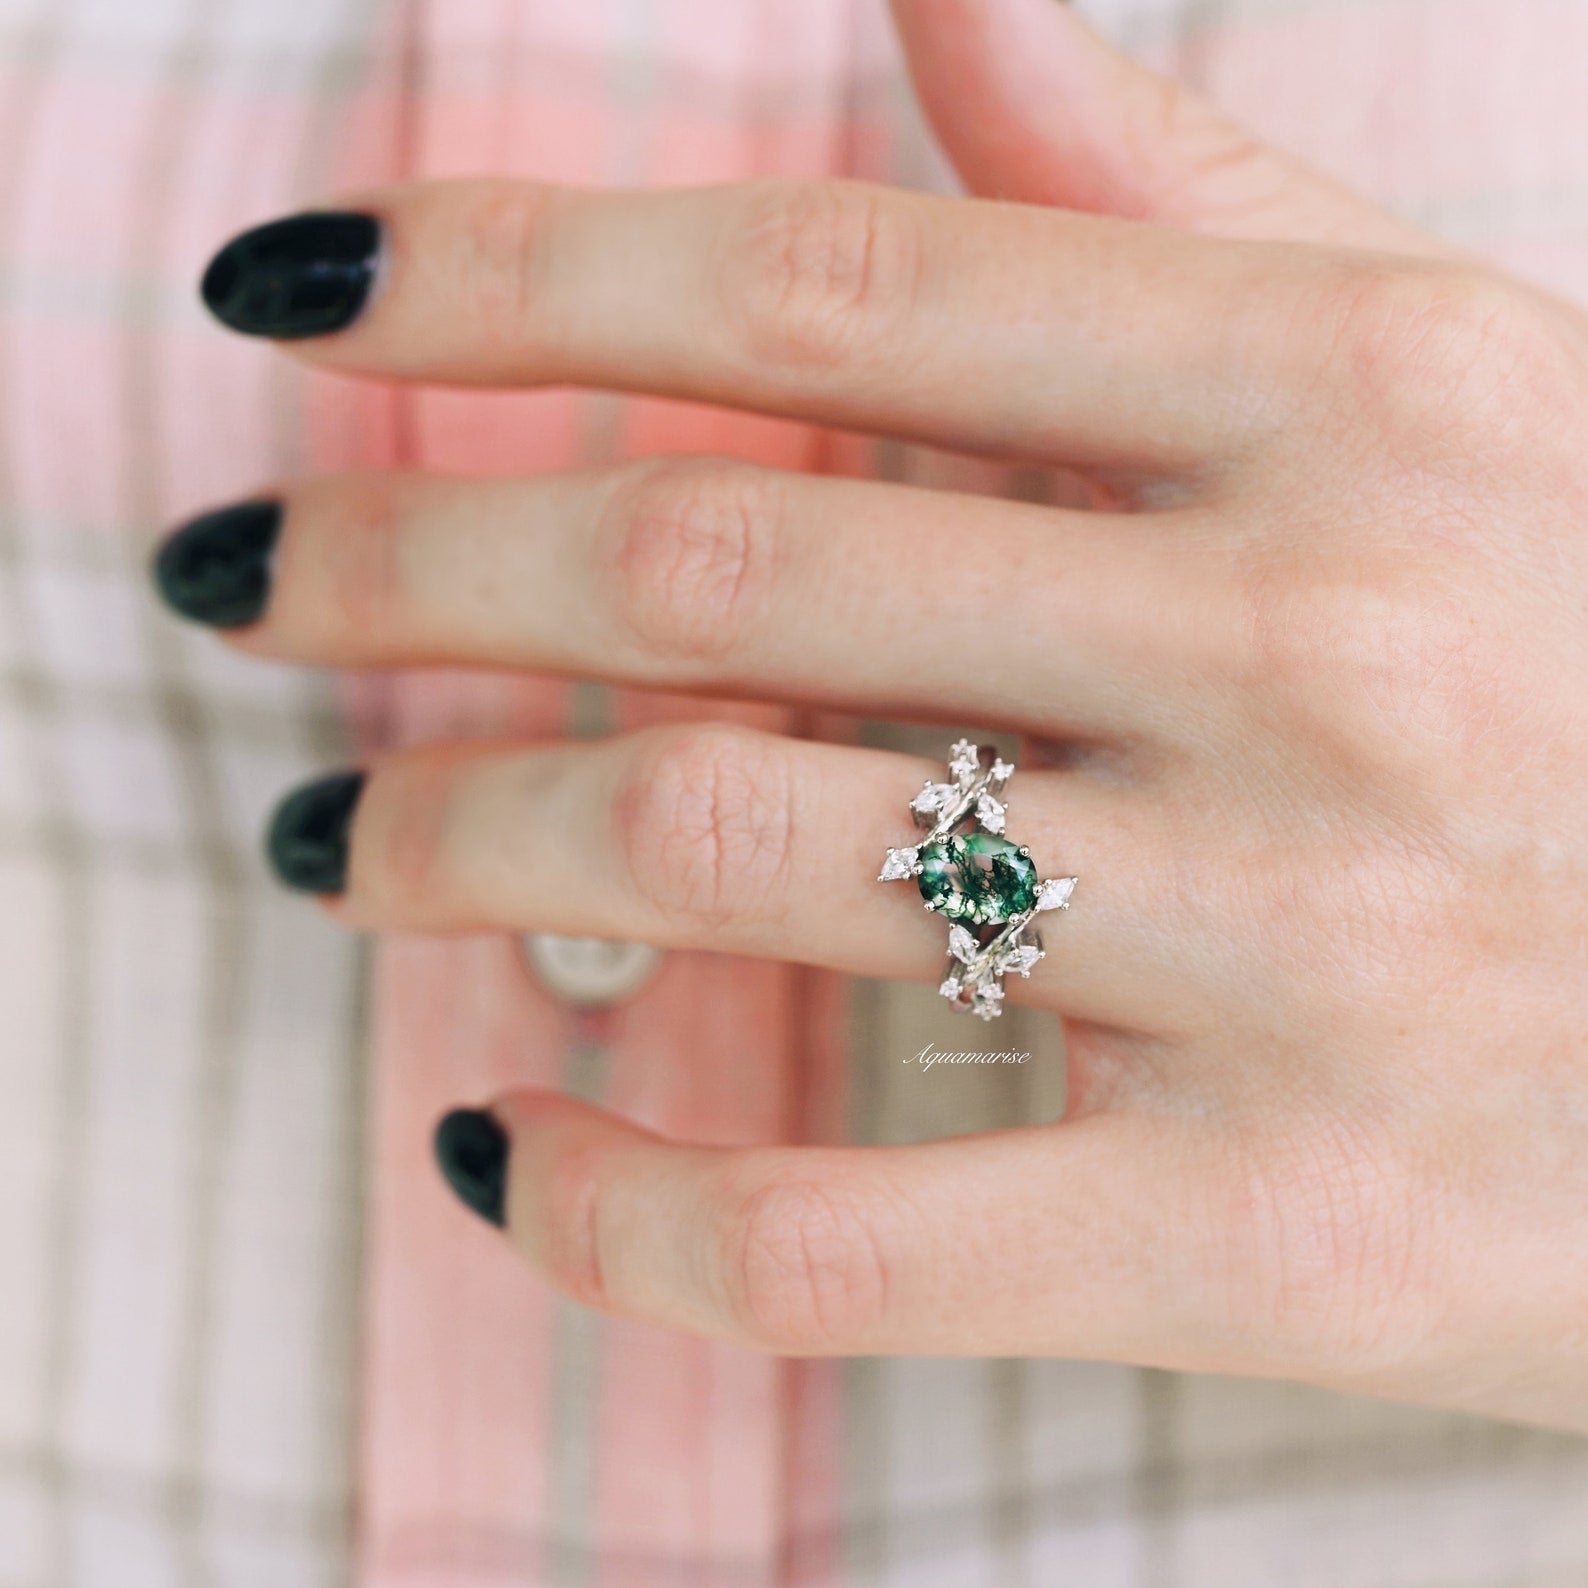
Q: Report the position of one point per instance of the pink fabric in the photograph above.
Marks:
(699, 1450)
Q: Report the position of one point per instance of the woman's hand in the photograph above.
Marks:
(1321, 670)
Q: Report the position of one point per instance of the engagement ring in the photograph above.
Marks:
(985, 885)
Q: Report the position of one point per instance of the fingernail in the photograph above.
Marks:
(302, 276)
(308, 841)
(216, 569)
(472, 1150)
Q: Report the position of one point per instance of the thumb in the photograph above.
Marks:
(1031, 104)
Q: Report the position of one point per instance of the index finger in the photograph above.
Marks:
(1006, 328)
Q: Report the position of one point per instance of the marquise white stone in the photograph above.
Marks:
(934, 797)
(987, 1002)
(900, 863)
(1020, 960)
(1054, 894)
(990, 812)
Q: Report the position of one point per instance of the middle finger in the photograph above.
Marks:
(717, 576)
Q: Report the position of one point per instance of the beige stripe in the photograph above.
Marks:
(1410, 1452)
(32, 690)
(1025, 1095)
(579, 1336)
(1008, 1521)
(339, 72)
(1485, 218)
(180, 710)
(1157, 1497)
(1190, 22)
(114, 1487)
(69, 1051)
(578, 1344)
(866, 1439)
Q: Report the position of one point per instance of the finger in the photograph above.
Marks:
(1088, 1239)
(715, 837)
(714, 575)
(1012, 329)
(1031, 103)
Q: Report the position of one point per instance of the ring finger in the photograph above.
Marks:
(723, 838)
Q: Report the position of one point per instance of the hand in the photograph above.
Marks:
(1321, 665)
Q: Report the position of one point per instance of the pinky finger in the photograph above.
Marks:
(1054, 1240)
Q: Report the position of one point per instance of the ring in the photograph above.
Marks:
(982, 882)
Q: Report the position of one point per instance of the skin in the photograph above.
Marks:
(1320, 661)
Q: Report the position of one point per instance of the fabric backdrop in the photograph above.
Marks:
(246, 1338)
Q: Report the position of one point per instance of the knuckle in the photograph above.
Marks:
(816, 274)
(1357, 920)
(401, 860)
(1345, 1251)
(501, 273)
(1395, 663)
(705, 827)
(803, 1268)
(695, 543)
(576, 1209)
(1453, 353)
(343, 587)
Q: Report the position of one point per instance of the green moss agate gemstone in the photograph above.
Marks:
(977, 878)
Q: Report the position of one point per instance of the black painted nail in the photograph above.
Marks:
(303, 276)
(308, 839)
(216, 569)
(472, 1150)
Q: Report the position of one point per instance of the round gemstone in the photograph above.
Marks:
(977, 878)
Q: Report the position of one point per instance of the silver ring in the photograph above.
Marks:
(982, 882)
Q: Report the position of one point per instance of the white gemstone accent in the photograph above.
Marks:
(987, 1002)
(951, 987)
(962, 945)
(899, 864)
(1054, 894)
(1019, 960)
(934, 797)
(962, 759)
(990, 812)
(1002, 771)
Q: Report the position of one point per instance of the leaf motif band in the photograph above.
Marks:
(982, 882)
